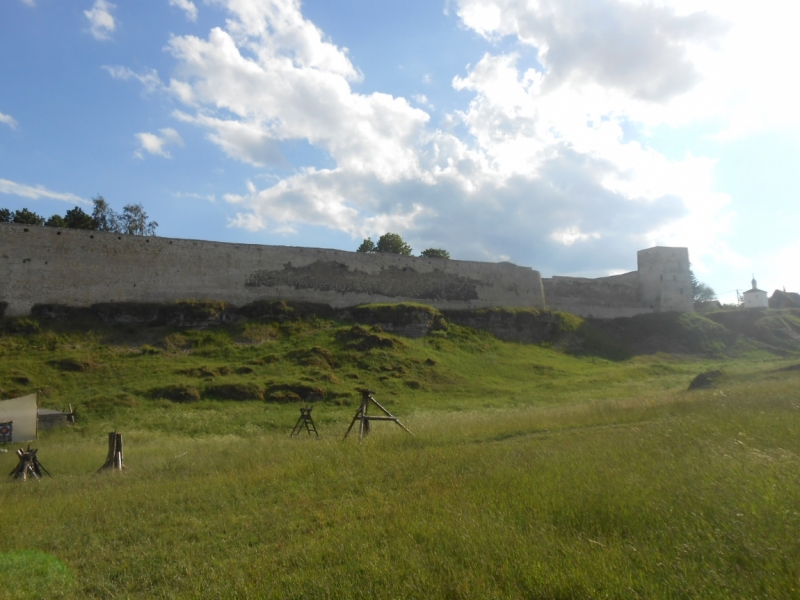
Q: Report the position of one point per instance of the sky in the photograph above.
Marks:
(563, 135)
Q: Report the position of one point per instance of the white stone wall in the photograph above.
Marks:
(755, 299)
(45, 265)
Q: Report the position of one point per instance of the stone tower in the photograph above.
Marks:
(665, 283)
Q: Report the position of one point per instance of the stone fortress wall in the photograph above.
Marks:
(662, 283)
(45, 265)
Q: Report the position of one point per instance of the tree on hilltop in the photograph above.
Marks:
(700, 291)
(134, 221)
(77, 219)
(56, 221)
(435, 253)
(388, 243)
(27, 217)
(367, 247)
(105, 219)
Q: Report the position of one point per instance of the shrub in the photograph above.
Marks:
(23, 325)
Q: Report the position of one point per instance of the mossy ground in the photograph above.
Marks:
(532, 473)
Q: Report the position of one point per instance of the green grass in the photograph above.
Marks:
(532, 473)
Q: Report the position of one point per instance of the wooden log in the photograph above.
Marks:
(114, 459)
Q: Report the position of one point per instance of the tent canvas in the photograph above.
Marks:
(23, 412)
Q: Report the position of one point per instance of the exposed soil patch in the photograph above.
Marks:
(313, 357)
(235, 391)
(289, 392)
(198, 372)
(72, 364)
(359, 338)
(177, 393)
(706, 380)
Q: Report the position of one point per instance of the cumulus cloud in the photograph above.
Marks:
(187, 6)
(101, 21)
(149, 78)
(545, 176)
(8, 120)
(155, 144)
(271, 77)
(637, 47)
(35, 192)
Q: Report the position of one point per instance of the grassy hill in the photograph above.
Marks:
(577, 466)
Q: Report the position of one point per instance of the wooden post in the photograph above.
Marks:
(114, 458)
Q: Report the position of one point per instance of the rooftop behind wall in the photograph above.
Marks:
(45, 265)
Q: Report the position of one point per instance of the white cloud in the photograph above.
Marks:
(26, 191)
(571, 235)
(546, 175)
(8, 120)
(640, 48)
(210, 197)
(101, 22)
(29, 2)
(676, 62)
(257, 84)
(149, 79)
(423, 100)
(187, 6)
(154, 144)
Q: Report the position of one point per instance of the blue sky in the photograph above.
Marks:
(562, 135)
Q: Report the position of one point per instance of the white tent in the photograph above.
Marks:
(23, 412)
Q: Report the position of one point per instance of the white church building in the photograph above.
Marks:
(755, 298)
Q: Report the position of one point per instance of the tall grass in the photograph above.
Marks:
(668, 495)
(531, 473)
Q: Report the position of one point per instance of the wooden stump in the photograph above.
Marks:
(114, 458)
(29, 466)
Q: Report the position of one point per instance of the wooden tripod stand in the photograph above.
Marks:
(363, 418)
(305, 419)
(29, 466)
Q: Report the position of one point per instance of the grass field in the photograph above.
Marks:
(532, 473)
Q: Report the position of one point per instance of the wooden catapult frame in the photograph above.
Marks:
(364, 418)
